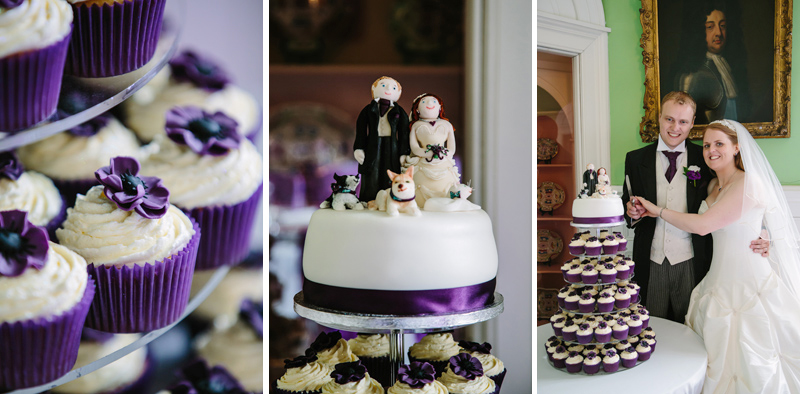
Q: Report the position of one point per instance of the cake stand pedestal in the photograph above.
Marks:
(395, 325)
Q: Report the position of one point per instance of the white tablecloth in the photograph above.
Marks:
(677, 366)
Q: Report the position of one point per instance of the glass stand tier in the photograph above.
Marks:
(395, 325)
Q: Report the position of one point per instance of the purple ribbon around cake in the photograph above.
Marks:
(396, 302)
(607, 219)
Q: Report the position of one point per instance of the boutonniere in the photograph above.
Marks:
(692, 173)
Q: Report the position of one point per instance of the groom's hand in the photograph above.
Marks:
(760, 246)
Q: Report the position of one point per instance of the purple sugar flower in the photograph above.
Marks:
(466, 366)
(252, 313)
(326, 340)
(611, 353)
(9, 4)
(353, 371)
(591, 355)
(144, 194)
(22, 245)
(584, 326)
(204, 133)
(602, 325)
(301, 360)
(417, 374)
(10, 166)
(199, 379)
(472, 347)
(573, 353)
(199, 71)
(561, 349)
(586, 296)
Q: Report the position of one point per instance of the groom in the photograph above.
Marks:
(670, 262)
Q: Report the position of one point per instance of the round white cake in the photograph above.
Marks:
(598, 210)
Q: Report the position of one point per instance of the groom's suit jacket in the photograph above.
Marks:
(640, 166)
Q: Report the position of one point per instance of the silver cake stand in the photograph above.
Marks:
(395, 325)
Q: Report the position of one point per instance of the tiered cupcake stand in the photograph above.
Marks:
(99, 95)
(600, 287)
(395, 325)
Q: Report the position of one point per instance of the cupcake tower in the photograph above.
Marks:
(601, 325)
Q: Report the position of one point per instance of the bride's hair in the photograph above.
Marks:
(737, 160)
(415, 107)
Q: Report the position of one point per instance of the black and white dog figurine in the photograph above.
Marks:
(343, 193)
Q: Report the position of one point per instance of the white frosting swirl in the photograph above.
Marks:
(115, 375)
(34, 193)
(199, 181)
(104, 234)
(457, 384)
(35, 24)
(367, 385)
(491, 365)
(435, 387)
(435, 347)
(339, 353)
(49, 291)
(68, 157)
(370, 345)
(309, 377)
(239, 350)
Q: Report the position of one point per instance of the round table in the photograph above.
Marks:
(677, 366)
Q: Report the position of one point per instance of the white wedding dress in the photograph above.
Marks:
(747, 316)
(433, 178)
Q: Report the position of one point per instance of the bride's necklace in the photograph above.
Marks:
(727, 183)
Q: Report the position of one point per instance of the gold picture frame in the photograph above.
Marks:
(781, 48)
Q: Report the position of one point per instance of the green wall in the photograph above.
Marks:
(626, 86)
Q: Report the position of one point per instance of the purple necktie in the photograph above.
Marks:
(673, 164)
(384, 106)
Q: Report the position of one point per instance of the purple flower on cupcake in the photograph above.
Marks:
(325, 341)
(10, 166)
(22, 245)
(200, 379)
(353, 371)
(203, 132)
(417, 374)
(145, 195)
(301, 360)
(466, 366)
(199, 71)
(9, 4)
(484, 348)
(252, 313)
(90, 127)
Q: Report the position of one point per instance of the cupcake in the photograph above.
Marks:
(71, 158)
(644, 350)
(576, 347)
(239, 348)
(31, 192)
(586, 303)
(634, 325)
(464, 375)
(605, 303)
(603, 234)
(560, 357)
(586, 235)
(140, 249)
(645, 321)
(351, 378)
(623, 271)
(35, 35)
(562, 295)
(373, 351)
(622, 345)
(493, 368)
(620, 330)
(573, 275)
(650, 340)
(574, 362)
(629, 357)
(589, 274)
(191, 79)
(622, 299)
(214, 176)
(197, 377)
(593, 246)
(113, 37)
(417, 377)
(591, 363)
(571, 302)
(590, 348)
(45, 294)
(570, 331)
(610, 245)
(551, 345)
(584, 333)
(126, 375)
(603, 332)
(435, 349)
(633, 288)
(332, 349)
(611, 361)
(608, 274)
(577, 246)
(304, 375)
(558, 326)
(621, 241)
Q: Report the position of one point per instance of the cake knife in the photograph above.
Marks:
(630, 193)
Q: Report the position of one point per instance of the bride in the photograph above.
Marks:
(746, 308)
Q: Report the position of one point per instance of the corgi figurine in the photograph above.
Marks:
(398, 198)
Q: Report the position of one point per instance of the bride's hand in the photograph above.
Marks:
(652, 209)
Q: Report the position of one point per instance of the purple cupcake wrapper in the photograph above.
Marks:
(611, 367)
(39, 350)
(143, 298)
(629, 363)
(226, 232)
(569, 336)
(610, 249)
(602, 338)
(33, 95)
(439, 366)
(608, 278)
(559, 363)
(619, 334)
(584, 339)
(379, 368)
(557, 331)
(635, 331)
(586, 308)
(571, 305)
(498, 380)
(574, 368)
(56, 221)
(113, 39)
(645, 356)
(70, 189)
(576, 250)
(590, 279)
(622, 246)
(623, 275)
(593, 250)
(605, 307)
(572, 277)
(561, 302)
(622, 304)
(591, 369)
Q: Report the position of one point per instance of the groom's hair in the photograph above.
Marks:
(681, 98)
(737, 160)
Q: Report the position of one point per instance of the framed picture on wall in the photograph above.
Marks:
(732, 56)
